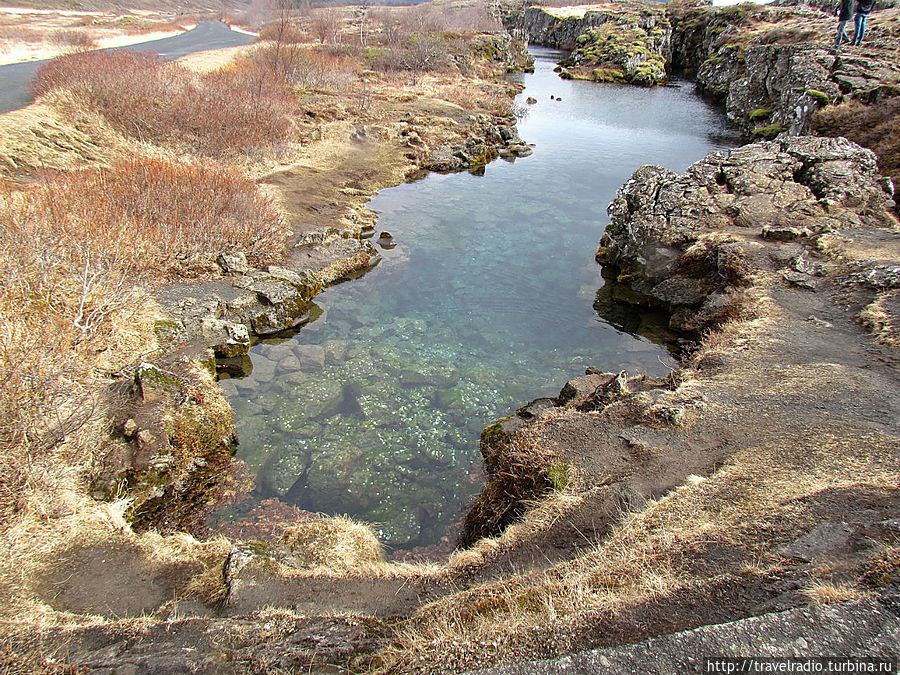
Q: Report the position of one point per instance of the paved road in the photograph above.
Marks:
(14, 78)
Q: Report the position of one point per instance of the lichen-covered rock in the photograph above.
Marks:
(773, 66)
(782, 78)
(635, 45)
(554, 27)
(689, 242)
(233, 262)
(491, 137)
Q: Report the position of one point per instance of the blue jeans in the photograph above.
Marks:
(860, 22)
(842, 33)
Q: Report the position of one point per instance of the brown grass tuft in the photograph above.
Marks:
(827, 593)
(243, 109)
(337, 543)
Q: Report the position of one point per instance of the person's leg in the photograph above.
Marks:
(841, 33)
(859, 29)
(862, 28)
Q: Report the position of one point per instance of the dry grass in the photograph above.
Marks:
(748, 505)
(57, 134)
(337, 543)
(238, 110)
(151, 218)
(879, 321)
(77, 242)
(73, 252)
(828, 593)
(309, 68)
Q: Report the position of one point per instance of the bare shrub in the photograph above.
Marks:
(312, 69)
(241, 109)
(286, 34)
(157, 219)
(74, 39)
(18, 33)
(74, 249)
(57, 303)
(422, 53)
(397, 26)
(386, 24)
(325, 25)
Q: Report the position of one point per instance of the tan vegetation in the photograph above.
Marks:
(334, 543)
(827, 593)
(240, 110)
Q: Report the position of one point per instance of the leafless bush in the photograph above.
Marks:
(58, 305)
(313, 69)
(396, 26)
(383, 21)
(280, 33)
(156, 218)
(422, 53)
(74, 39)
(242, 109)
(74, 249)
(325, 25)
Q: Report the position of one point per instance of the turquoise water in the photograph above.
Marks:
(487, 301)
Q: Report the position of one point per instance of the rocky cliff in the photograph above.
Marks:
(775, 67)
(692, 242)
(772, 67)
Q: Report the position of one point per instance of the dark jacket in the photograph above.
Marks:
(845, 11)
(864, 6)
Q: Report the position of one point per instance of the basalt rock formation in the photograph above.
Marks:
(691, 242)
(772, 67)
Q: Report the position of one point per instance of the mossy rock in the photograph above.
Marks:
(607, 75)
(820, 97)
(768, 132)
(758, 114)
(153, 383)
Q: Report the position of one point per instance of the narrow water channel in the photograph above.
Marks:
(490, 299)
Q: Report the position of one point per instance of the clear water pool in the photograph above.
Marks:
(375, 408)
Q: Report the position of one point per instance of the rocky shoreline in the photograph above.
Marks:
(772, 67)
(214, 323)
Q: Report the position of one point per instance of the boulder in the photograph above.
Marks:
(688, 242)
(233, 262)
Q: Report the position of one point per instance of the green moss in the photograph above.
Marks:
(259, 548)
(821, 97)
(209, 365)
(492, 434)
(607, 75)
(758, 114)
(149, 377)
(559, 474)
(738, 14)
(768, 132)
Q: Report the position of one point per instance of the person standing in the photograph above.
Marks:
(844, 12)
(863, 7)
